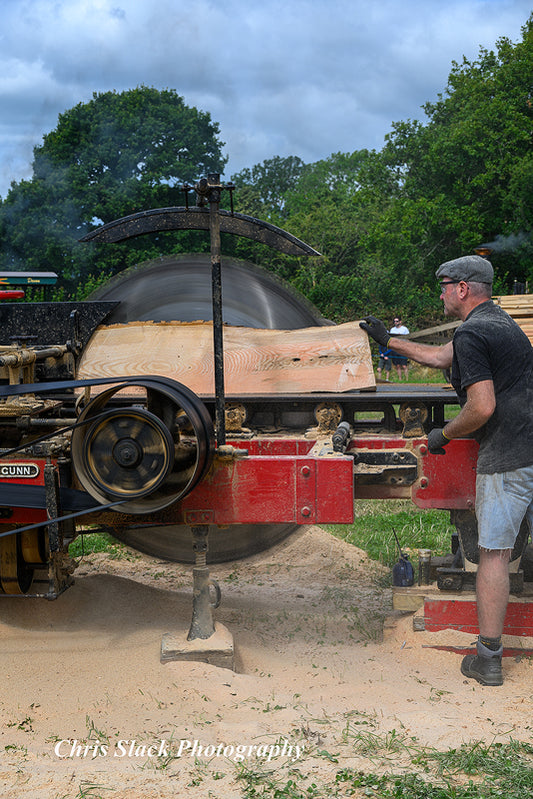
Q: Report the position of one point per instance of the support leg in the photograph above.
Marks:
(207, 641)
(202, 624)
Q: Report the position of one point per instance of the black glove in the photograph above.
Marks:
(376, 329)
(437, 441)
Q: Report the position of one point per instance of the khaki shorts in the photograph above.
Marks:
(502, 502)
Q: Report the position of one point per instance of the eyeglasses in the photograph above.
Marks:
(445, 283)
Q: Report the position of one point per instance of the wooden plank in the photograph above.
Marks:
(335, 358)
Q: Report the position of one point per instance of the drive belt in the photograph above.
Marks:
(75, 502)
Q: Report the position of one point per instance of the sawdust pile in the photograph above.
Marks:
(88, 710)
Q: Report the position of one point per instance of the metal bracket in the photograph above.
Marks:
(413, 417)
(389, 467)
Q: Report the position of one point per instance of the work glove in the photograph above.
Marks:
(376, 329)
(437, 441)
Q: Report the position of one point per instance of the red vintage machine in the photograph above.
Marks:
(191, 478)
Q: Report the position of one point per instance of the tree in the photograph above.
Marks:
(117, 154)
(468, 169)
(268, 183)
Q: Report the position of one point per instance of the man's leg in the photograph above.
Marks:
(492, 594)
(492, 590)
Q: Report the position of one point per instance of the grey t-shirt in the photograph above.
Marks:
(489, 345)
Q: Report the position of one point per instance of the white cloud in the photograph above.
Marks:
(304, 77)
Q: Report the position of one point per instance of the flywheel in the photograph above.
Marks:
(178, 288)
(148, 454)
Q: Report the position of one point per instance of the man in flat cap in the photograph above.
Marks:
(491, 362)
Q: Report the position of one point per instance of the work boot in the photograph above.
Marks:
(485, 667)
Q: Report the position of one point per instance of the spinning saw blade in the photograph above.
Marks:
(178, 288)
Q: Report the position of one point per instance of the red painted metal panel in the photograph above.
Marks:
(461, 614)
(24, 516)
(334, 491)
(449, 480)
(274, 446)
(12, 471)
(273, 489)
(444, 481)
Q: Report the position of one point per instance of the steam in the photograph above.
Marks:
(508, 243)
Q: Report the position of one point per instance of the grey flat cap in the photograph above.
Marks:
(470, 268)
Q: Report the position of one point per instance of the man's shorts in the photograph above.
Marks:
(399, 360)
(502, 502)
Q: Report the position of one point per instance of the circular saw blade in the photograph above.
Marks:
(178, 288)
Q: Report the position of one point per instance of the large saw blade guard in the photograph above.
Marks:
(178, 288)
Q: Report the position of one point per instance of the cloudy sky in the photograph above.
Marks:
(281, 77)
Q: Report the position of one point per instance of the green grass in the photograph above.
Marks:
(416, 529)
(417, 374)
(473, 771)
(89, 542)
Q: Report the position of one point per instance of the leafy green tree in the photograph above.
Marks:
(265, 185)
(115, 155)
(468, 170)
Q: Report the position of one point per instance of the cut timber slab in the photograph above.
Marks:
(334, 358)
(217, 650)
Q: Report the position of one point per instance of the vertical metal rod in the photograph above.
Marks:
(216, 278)
(202, 622)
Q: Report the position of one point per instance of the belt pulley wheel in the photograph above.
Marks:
(129, 453)
(16, 575)
(34, 546)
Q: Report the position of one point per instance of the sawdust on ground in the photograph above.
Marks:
(88, 709)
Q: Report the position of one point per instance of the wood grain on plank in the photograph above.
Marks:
(333, 358)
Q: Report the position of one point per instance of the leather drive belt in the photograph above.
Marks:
(17, 495)
(42, 388)
(74, 502)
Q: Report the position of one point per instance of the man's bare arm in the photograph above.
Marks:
(479, 406)
(426, 354)
(438, 357)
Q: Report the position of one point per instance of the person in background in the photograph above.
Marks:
(491, 360)
(400, 361)
(385, 362)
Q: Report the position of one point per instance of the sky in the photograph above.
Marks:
(281, 77)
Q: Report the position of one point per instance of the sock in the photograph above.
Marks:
(490, 643)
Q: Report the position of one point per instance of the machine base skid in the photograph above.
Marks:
(435, 612)
(217, 650)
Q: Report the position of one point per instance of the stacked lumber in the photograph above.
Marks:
(520, 307)
(516, 305)
(335, 358)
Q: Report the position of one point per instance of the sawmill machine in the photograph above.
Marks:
(199, 476)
